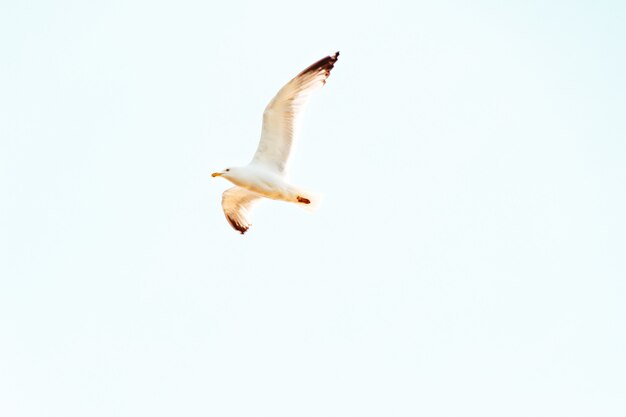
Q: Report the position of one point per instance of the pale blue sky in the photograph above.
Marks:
(468, 259)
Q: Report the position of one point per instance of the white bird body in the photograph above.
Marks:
(263, 182)
(265, 175)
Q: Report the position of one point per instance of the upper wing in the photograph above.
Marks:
(281, 114)
(237, 203)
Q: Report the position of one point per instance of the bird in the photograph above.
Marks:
(266, 174)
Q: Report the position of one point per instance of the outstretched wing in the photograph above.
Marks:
(281, 114)
(237, 203)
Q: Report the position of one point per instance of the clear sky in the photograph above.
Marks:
(469, 258)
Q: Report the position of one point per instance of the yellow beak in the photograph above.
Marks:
(216, 174)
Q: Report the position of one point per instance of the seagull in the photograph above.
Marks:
(265, 176)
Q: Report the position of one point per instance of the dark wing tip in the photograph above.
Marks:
(325, 64)
(236, 225)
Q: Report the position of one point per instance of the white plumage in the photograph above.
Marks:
(265, 176)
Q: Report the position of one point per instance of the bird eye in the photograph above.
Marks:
(227, 169)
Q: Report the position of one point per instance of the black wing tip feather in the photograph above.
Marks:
(237, 226)
(325, 64)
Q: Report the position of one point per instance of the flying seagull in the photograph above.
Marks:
(265, 176)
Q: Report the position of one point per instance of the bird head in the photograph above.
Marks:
(225, 173)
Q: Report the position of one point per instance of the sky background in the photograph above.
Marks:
(469, 258)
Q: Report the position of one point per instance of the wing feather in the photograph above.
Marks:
(281, 115)
(237, 203)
